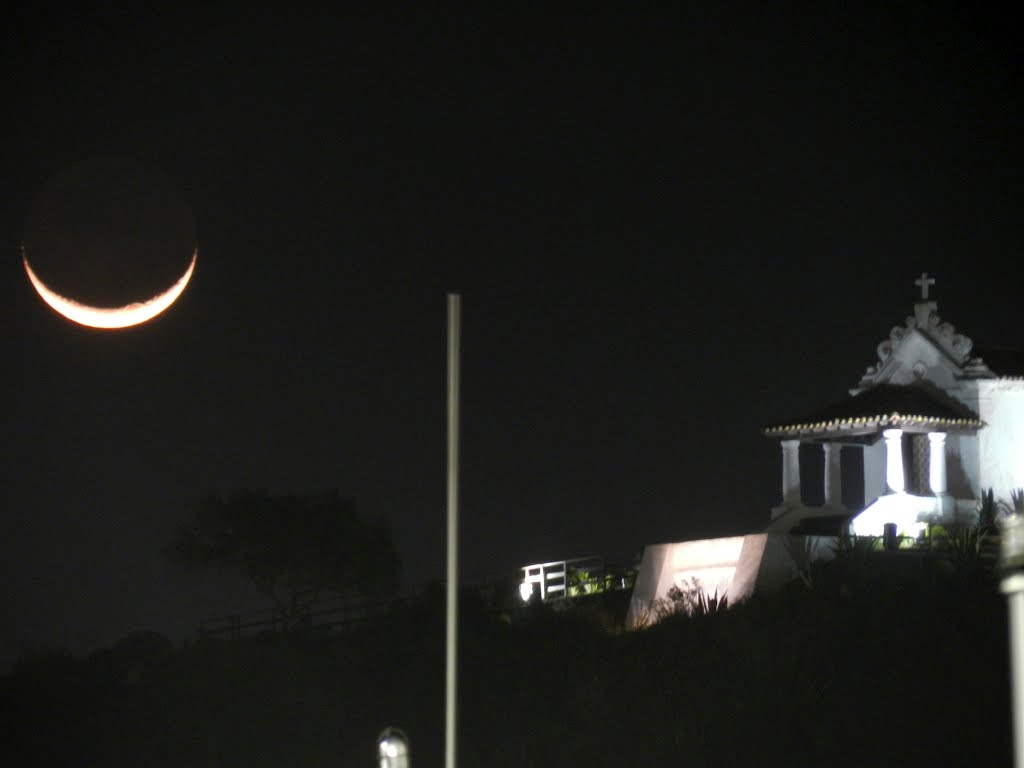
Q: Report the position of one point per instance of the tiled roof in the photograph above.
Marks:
(918, 406)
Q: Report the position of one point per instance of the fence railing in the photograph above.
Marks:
(325, 616)
(564, 578)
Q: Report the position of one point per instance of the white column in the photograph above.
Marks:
(937, 462)
(791, 473)
(833, 474)
(894, 460)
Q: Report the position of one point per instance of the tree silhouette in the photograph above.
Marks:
(294, 548)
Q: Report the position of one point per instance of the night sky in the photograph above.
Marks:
(669, 229)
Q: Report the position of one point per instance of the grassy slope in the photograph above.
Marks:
(888, 670)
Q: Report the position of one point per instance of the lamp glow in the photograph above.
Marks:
(526, 591)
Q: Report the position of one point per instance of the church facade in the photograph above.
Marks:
(930, 427)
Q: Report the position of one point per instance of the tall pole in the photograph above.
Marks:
(453, 529)
(1013, 587)
(1011, 561)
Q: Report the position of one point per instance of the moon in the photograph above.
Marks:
(110, 317)
(109, 242)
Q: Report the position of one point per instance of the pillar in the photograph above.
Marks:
(791, 473)
(894, 460)
(833, 474)
(937, 462)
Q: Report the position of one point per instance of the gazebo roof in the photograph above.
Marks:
(913, 408)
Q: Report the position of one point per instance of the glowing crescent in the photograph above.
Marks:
(112, 317)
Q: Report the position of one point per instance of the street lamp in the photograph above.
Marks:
(392, 749)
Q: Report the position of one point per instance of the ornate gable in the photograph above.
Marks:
(924, 347)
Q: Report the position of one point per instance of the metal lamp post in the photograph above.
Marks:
(392, 747)
(452, 612)
(1011, 561)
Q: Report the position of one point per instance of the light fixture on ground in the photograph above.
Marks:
(392, 749)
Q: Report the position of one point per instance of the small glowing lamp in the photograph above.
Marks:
(392, 749)
(526, 591)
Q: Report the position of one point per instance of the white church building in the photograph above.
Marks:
(929, 428)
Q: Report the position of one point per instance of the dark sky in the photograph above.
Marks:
(669, 229)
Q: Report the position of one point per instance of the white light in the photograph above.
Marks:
(526, 591)
(910, 513)
(392, 749)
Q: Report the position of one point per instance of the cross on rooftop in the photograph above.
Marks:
(924, 281)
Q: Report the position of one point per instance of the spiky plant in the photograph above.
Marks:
(991, 510)
(704, 604)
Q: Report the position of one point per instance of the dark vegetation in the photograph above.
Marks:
(295, 549)
(876, 659)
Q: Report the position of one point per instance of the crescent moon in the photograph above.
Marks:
(110, 317)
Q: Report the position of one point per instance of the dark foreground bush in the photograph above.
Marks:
(900, 673)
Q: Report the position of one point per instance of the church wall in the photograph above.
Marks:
(962, 466)
(1001, 442)
(874, 472)
(963, 460)
(916, 358)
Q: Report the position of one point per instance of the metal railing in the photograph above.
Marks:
(564, 578)
(324, 616)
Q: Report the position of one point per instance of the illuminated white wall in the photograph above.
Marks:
(1001, 443)
(663, 566)
(965, 449)
(732, 566)
(995, 457)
